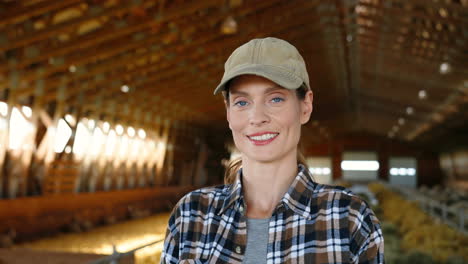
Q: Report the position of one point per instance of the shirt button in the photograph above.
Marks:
(238, 250)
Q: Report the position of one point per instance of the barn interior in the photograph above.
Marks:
(107, 113)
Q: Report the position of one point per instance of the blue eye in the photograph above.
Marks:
(241, 103)
(277, 99)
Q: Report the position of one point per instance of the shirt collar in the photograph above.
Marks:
(297, 198)
(299, 195)
(234, 192)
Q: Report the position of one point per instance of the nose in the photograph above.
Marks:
(258, 115)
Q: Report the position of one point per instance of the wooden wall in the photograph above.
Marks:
(30, 217)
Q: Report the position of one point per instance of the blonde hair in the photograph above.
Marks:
(234, 165)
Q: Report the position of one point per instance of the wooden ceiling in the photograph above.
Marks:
(394, 68)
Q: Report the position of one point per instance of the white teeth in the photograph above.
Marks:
(264, 137)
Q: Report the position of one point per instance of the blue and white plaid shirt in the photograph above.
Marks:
(313, 223)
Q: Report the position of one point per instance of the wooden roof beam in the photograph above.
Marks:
(251, 31)
(18, 14)
(94, 39)
(68, 26)
(107, 51)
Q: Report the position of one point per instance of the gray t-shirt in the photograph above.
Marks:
(257, 241)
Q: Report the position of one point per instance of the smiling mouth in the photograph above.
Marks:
(264, 137)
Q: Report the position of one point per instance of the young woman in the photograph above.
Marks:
(270, 210)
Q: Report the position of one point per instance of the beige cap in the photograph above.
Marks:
(271, 58)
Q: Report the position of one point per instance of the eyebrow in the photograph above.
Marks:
(269, 89)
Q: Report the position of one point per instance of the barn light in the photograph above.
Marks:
(422, 94)
(402, 171)
(70, 119)
(359, 165)
(3, 108)
(68, 149)
(131, 131)
(229, 26)
(27, 111)
(444, 68)
(82, 138)
(409, 110)
(64, 133)
(119, 129)
(401, 121)
(19, 129)
(72, 68)
(141, 133)
(125, 88)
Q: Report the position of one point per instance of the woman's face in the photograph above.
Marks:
(265, 119)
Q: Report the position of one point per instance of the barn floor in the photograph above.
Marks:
(125, 236)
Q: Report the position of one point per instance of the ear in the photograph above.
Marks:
(307, 107)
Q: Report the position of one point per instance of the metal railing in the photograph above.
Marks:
(116, 256)
(453, 217)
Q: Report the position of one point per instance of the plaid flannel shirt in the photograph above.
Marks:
(313, 223)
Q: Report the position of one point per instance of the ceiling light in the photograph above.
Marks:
(119, 129)
(409, 110)
(390, 134)
(27, 111)
(125, 88)
(3, 108)
(401, 121)
(70, 119)
(131, 131)
(422, 94)
(72, 68)
(141, 133)
(68, 149)
(444, 68)
(229, 26)
(395, 128)
(106, 127)
(349, 38)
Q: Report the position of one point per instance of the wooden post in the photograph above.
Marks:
(14, 81)
(168, 151)
(139, 180)
(50, 154)
(127, 162)
(33, 181)
(95, 170)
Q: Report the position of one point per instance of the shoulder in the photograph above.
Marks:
(204, 198)
(356, 207)
(334, 193)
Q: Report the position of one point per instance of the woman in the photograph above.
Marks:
(270, 210)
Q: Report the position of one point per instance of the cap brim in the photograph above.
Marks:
(275, 74)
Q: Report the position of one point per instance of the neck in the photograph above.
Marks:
(264, 184)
